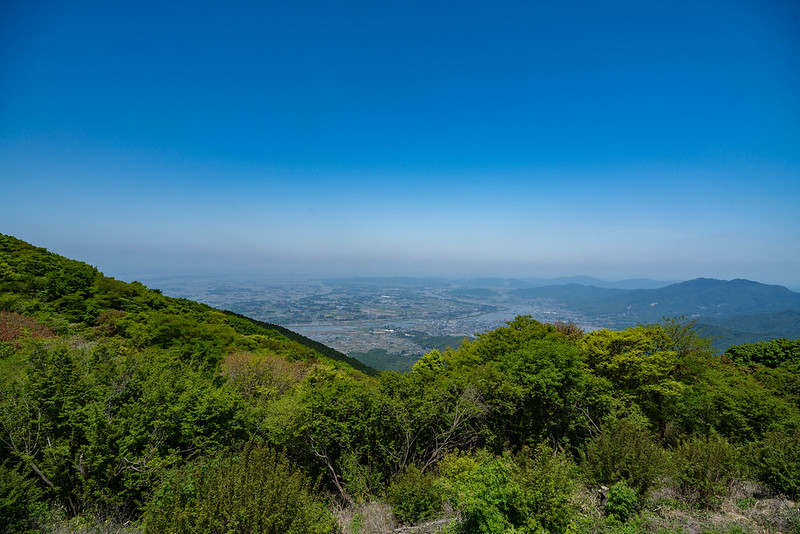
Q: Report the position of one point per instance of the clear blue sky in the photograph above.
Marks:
(614, 139)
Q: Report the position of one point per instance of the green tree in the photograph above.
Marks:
(427, 414)
(96, 425)
(772, 353)
(20, 505)
(640, 364)
(542, 383)
(430, 363)
(415, 496)
(508, 339)
(729, 400)
(334, 421)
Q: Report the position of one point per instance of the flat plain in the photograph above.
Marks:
(388, 322)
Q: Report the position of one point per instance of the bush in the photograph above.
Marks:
(625, 451)
(415, 496)
(571, 330)
(481, 488)
(547, 481)
(621, 503)
(529, 493)
(776, 462)
(255, 491)
(19, 500)
(705, 466)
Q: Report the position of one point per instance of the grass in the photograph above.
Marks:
(747, 508)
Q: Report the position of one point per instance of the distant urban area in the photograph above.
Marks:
(384, 322)
(388, 323)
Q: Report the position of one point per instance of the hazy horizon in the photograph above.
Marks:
(460, 139)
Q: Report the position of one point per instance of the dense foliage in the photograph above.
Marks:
(119, 403)
(256, 490)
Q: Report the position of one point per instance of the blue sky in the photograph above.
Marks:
(613, 139)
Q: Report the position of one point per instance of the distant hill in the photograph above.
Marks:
(705, 297)
(528, 283)
(473, 293)
(771, 323)
(638, 283)
(633, 283)
(751, 328)
(736, 310)
(588, 299)
(496, 283)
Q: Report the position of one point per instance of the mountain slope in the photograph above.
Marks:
(74, 297)
(310, 343)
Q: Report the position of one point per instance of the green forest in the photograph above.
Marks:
(124, 410)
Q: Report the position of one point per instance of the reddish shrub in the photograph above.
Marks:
(14, 325)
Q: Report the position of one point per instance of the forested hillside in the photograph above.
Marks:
(126, 410)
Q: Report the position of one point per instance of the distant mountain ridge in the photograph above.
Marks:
(529, 283)
(701, 297)
(730, 311)
(632, 283)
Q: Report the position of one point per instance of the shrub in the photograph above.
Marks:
(621, 503)
(547, 481)
(481, 488)
(776, 462)
(705, 465)
(625, 451)
(571, 330)
(14, 326)
(19, 500)
(746, 503)
(529, 493)
(415, 496)
(255, 491)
